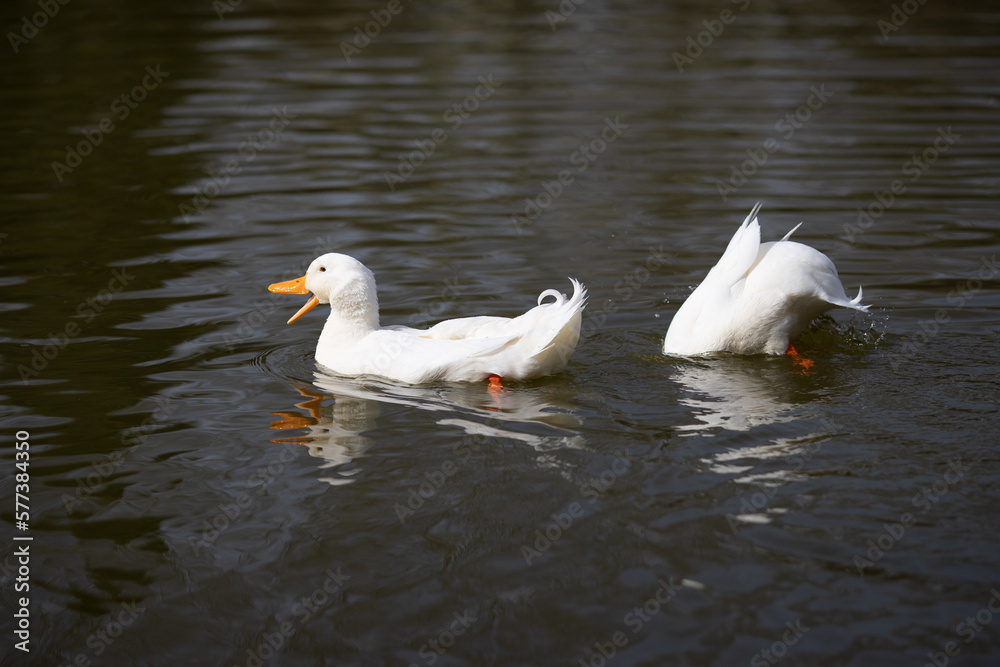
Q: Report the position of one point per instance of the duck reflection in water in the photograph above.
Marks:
(337, 436)
(540, 416)
(749, 395)
(736, 394)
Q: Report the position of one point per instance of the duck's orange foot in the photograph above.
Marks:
(799, 360)
(496, 391)
(291, 420)
(496, 385)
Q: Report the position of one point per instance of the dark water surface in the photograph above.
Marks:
(200, 496)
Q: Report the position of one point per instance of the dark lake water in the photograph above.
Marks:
(199, 495)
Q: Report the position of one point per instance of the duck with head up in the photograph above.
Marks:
(353, 343)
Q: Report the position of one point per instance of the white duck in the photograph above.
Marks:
(757, 298)
(537, 343)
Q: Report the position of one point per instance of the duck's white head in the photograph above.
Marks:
(341, 281)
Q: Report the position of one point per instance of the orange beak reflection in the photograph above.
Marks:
(297, 286)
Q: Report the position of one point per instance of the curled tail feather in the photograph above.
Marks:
(856, 301)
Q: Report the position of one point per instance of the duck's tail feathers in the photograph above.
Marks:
(564, 330)
(579, 297)
(854, 303)
(555, 294)
(739, 256)
(789, 234)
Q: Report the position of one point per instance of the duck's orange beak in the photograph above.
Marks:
(297, 286)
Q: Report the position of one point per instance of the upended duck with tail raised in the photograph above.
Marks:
(757, 298)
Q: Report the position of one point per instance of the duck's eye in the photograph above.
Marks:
(322, 268)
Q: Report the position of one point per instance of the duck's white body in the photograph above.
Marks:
(757, 298)
(352, 343)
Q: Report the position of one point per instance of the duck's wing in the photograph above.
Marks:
(404, 355)
(461, 328)
(536, 343)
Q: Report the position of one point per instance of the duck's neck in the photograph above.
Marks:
(353, 316)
